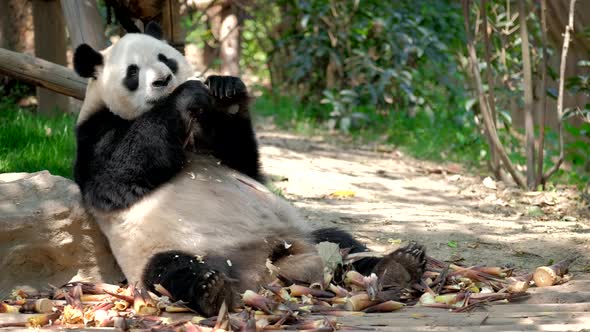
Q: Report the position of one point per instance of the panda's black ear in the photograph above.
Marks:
(153, 29)
(86, 59)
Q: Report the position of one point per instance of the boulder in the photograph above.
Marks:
(46, 237)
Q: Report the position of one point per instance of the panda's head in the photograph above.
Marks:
(131, 75)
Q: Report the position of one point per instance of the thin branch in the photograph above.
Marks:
(566, 43)
(529, 124)
(485, 108)
(491, 98)
(543, 101)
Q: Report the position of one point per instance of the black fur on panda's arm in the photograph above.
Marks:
(120, 161)
(228, 127)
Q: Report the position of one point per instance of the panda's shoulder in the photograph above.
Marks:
(100, 120)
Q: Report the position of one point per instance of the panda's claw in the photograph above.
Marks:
(221, 89)
(227, 87)
(216, 290)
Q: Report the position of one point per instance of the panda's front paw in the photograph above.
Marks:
(227, 87)
(192, 96)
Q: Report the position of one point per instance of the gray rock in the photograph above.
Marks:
(46, 237)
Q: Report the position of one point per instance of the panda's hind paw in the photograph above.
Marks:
(403, 267)
(188, 279)
(214, 288)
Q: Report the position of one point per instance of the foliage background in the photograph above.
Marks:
(390, 72)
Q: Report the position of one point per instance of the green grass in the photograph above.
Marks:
(289, 114)
(30, 143)
(443, 135)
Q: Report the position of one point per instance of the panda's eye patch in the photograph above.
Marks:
(132, 70)
(171, 63)
(131, 80)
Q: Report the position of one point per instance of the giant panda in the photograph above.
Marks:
(169, 168)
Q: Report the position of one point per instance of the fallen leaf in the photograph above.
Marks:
(418, 316)
(489, 183)
(330, 254)
(569, 218)
(394, 241)
(342, 194)
(278, 178)
(456, 258)
(535, 211)
(454, 168)
(455, 177)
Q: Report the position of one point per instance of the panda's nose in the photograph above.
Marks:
(162, 82)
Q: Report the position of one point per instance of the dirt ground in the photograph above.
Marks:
(387, 199)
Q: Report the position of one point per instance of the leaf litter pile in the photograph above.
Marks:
(279, 305)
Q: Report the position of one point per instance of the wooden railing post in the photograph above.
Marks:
(171, 18)
(50, 45)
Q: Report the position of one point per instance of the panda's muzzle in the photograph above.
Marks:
(162, 82)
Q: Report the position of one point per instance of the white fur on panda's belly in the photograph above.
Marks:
(205, 208)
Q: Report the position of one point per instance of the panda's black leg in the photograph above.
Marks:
(402, 267)
(188, 279)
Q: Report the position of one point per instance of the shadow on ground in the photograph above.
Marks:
(396, 199)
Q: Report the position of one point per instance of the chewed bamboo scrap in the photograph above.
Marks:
(280, 305)
(551, 275)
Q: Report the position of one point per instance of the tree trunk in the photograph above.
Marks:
(281, 54)
(50, 45)
(528, 98)
(16, 26)
(5, 24)
(494, 159)
(230, 35)
(210, 51)
(16, 34)
(84, 23)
